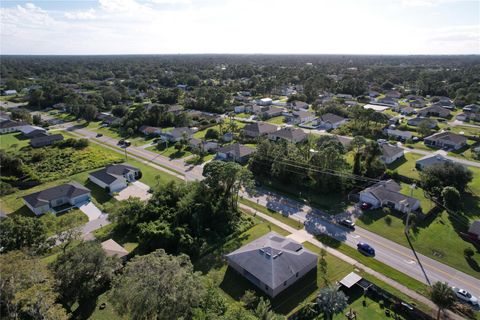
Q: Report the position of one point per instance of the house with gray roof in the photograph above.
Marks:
(29, 131)
(298, 105)
(415, 122)
(297, 117)
(387, 194)
(434, 111)
(390, 153)
(43, 140)
(202, 145)
(71, 193)
(115, 177)
(177, 134)
(7, 126)
(235, 152)
(430, 160)
(446, 139)
(270, 112)
(258, 129)
(331, 121)
(398, 134)
(273, 262)
(288, 134)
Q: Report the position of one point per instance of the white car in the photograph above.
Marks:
(465, 296)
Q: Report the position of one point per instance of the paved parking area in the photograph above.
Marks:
(135, 189)
(91, 210)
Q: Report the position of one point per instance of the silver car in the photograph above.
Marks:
(464, 295)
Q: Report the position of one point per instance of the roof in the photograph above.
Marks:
(28, 129)
(432, 159)
(416, 121)
(332, 118)
(389, 191)
(40, 140)
(299, 104)
(345, 141)
(350, 279)
(448, 136)
(435, 109)
(475, 227)
(113, 172)
(273, 259)
(389, 150)
(41, 198)
(290, 134)
(303, 114)
(175, 108)
(112, 248)
(178, 132)
(9, 124)
(149, 129)
(399, 133)
(260, 127)
(237, 149)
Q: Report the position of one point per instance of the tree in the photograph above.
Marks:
(157, 286)
(424, 128)
(26, 288)
(308, 311)
(228, 178)
(442, 295)
(263, 311)
(451, 198)
(19, 232)
(331, 301)
(89, 112)
(357, 144)
(36, 119)
(323, 265)
(211, 134)
(447, 174)
(82, 271)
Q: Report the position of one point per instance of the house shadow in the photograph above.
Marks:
(99, 194)
(78, 126)
(23, 211)
(397, 163)
(235, 285)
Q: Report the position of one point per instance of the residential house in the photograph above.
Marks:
(258, 129)
(331, 121)
(239, 109)
(472, 108)
(406, 111)
(393, 94)
(289, 134)
(394, 120)
(373, 94)
(7, 126)
(113, 249)
(202, 145)
(9, 92)
(150, 131)
(474, 229)
(175, 109)
(270, 112)
(417, 103)
(345, 141)
(265, 102)
(298, 105)
(253, 108)
(468, 116)
(235, 152)
(115, 177)
(398, 134)
(177, 134)
(387, 101)
(297, 117)
(45, 140)
(415, 122)
(444, 104)
(272, 262)
(446, 139)
(344, 96)
(32, 131)
(430, 160)
(434, 111)
(71, 193)
(390, 153)
(387, 194)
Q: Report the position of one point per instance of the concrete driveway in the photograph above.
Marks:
(135, 189)
(91, 210)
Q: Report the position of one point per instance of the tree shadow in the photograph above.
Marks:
(397, 163)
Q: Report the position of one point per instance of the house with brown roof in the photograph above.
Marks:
(113, 249)
(235, 152)
(446, 139)
(258, 129)
(288, 134)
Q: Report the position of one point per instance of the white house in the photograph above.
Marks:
(8, 126)
(394, 133)
(387, 194)
(265, 101)
(239, 109)
(116, 177)
(331, 121)
(390, 153)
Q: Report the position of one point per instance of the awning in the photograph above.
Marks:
(350, 279)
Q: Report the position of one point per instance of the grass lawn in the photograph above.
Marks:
(277, 120)
(288, 221)
(417, 193)
(137, 139)
(12, 141)
(243, 115)
(170, 152)
(406, 166)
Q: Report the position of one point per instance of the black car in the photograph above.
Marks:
(366, 249)
(99, 135)
(347, 223)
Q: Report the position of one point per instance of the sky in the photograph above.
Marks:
(240, 26)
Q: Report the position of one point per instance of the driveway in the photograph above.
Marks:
(91, 210)
(135, 189)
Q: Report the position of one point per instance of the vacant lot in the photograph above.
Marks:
(12, 141)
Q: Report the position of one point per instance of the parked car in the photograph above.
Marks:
(365, 206)
(121, 142)
(347, 223)
(366, 249)
(127, 143)
(99, 135)
(466, 296)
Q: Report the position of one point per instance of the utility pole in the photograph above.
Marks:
(126, 158)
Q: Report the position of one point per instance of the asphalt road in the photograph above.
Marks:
(398, 257)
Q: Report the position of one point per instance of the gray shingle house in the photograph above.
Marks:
(257, 129)
(115, 177)
(44, 139)
(235, 152)
(390, 153)
(331, 121)
(272, 262)
(435, 111)
(430, 160)
(288, 134)
(387, 194)
(71, 193)
(446, 139)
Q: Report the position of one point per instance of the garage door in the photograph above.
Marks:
(82, 199)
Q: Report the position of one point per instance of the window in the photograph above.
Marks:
(266, 287)
(285, 283)
(296, 275)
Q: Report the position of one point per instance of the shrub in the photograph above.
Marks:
(468, 252)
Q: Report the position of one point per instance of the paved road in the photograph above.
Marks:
(388, 252)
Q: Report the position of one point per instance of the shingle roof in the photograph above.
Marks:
(431, 160)
(178, 132)
(448, 136)
(260, 127)
(290, 134)
(389, 191)
(42, 140)
(332, 118)
(41, 198)
(9, 124)
(389, 150)
(237, 149)
(112, 172)
(273, 259)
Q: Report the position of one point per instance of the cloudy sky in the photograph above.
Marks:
(240, 26)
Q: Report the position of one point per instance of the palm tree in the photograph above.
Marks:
(442, 295)
(308, 311)
(263, 311)
(331, 301)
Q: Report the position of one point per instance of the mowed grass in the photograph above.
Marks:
(277, 120)
(406, 165)
(138, 139)
(170, 152)
(12, 141)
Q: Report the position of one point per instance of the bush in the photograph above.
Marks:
(468, 252)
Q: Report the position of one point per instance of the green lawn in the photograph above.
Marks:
(170, 152)
(277, 120)
(417, 193)
(12, 141)
(243, 115)
(137, 139)
(406, 166)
